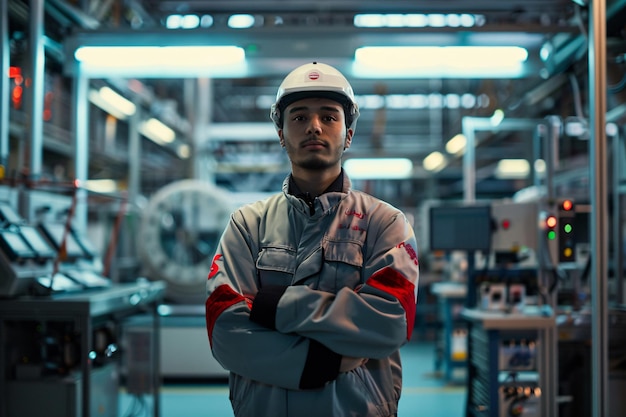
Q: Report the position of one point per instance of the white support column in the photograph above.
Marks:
(81, 146)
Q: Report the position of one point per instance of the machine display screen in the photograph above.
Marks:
(466, 228)
(8, 215)
(55, 231)
(14, 246)
(37, 242)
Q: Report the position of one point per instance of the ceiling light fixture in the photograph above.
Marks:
(146, 60)
(457, 144)
(241, 21)
(120, 102)
(101, 186)
(512, 169)
(416, 20)
(440, 61)
(434, 162)
(157, 132)
(379, 168)
(112, 103)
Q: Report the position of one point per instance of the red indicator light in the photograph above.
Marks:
(551, 221)
(506, 224)
(15, 72)
(567, 205)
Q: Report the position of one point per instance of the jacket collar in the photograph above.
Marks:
(329, 198)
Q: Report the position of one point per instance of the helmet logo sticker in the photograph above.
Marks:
(314, 75)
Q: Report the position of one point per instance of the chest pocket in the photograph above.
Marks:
(276, 265)
(343, 263)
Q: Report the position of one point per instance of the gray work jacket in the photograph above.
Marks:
(346, 274)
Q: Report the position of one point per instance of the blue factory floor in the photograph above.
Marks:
(425, 393)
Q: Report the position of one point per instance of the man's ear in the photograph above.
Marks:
(348, 141)
(281, 137)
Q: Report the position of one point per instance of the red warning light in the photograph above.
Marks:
(506, 224)
(15, 72)
(551, 221)
(567, 205)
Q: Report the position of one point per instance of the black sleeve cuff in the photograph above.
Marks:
(265, 304)
(321, 366)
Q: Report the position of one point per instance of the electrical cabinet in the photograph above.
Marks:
(511, 364)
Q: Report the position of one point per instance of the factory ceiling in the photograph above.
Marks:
(288, 33)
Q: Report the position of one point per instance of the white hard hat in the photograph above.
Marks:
(315, 80)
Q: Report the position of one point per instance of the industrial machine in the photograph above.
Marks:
(514, 254)
(180, 229)
(61, 319)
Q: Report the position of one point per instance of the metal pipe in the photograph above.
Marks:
(599, 211)
(134, 156)
(35, 94)
(617, 227)
(469, 160)
(5, 93)
(81, 146)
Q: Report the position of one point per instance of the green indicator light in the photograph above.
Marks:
(551, 235)
(567, 228)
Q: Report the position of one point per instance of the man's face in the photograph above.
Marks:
(314, 133)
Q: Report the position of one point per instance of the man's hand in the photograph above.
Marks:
(348, 363)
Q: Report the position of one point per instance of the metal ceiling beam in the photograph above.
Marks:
(365, 6)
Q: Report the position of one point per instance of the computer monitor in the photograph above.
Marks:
(458, 227)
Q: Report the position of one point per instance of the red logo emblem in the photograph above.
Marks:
(314, 75)
(214, 267)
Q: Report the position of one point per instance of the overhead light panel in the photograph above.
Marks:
(417, 20)
(440, 61)
(112, 102)
(182, 60)
(512, 169)
(434, 162)
(101, 186)
(378, 168)
(157, 132)
(456, 145)
(241, 21)
(118, 101)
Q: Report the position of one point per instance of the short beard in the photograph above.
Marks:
(315, 164)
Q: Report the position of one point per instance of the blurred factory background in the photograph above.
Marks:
(130, 130)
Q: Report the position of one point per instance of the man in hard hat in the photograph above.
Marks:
(313, 290)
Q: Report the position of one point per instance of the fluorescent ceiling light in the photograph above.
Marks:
(434, 162)
(112, 103)
(441, 61)
(512, 169)
(241, 21)
(157, 132)
(183, 151)
(159, 59)
(456, 144)
(101, 186)
(378, 168)
(370, 20)
(118, 101)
